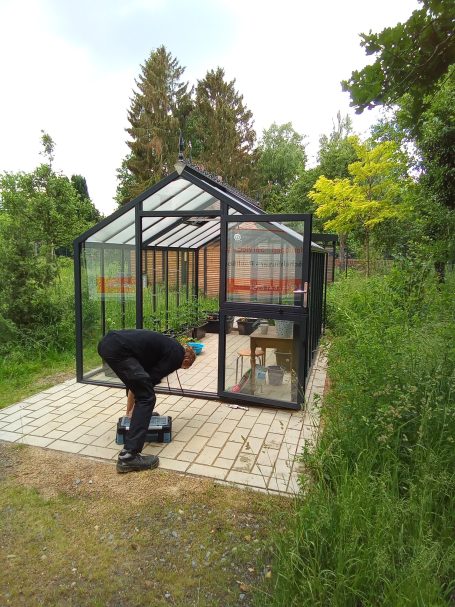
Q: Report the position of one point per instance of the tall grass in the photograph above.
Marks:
(375, 522)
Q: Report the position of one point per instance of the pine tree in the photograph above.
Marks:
(157, 112)
(221, 130)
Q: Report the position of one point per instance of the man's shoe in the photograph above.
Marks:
(129, 462)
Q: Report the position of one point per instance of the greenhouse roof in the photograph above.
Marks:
(181, 211)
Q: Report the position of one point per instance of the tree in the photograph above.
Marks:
(158, 111)
(86, 209)
(298, 200)
(282, 158)
(414, 69)
(220, 129)
(48, 150)
(411, 59)
(336, 152)
(39, 212)
(372, 194)
(436, 144)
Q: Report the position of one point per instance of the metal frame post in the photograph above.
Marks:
(138, 250)
(78, 309)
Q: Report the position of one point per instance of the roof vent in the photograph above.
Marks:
(199, 221)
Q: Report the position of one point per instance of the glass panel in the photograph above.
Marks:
(262, 358)
(157, 225)
(108, 301)
(191, 199)
(206, 237)
(208, 228)
(168, 292)
(172, 236)
(264, 262)
(171, 189)
(112, 232)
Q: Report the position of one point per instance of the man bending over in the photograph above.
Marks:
(141, 358)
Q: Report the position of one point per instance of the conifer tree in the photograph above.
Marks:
(157, 112)
(86, 209)
(221, 130)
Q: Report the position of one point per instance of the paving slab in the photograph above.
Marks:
(258, 448)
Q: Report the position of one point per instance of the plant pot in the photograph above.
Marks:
(276, 375)
(198, 332)
(284, 328)
(283, 359)
(247, 326)
(213, 326)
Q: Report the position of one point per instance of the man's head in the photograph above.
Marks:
(189, 358)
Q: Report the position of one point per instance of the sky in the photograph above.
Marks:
(68, 67)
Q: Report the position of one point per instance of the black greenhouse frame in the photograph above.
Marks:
(175, 221)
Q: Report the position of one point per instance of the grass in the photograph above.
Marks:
(24, 373)
(376, 525)
(87, 536)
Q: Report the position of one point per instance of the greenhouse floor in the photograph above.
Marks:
(257, 447)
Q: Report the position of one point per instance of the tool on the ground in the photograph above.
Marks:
(159, 430)
(238, 407)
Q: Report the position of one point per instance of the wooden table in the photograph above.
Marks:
(269, 340)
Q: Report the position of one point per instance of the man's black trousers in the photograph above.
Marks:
(136, 379)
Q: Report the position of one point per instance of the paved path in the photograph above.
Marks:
(255, 448)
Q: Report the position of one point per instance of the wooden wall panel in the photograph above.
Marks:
(213, 268)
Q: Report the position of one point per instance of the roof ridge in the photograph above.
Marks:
(219, 180)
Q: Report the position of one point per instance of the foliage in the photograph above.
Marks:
(48, 150)
(437, 144)
(414, 69)
(220, 128)
(375, 522)
(156, 114)
(87, 210)
(373, 194)
(39, 213)
(281, 159)
(411, 58)
(336, 151)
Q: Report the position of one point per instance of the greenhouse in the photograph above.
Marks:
(195, 259)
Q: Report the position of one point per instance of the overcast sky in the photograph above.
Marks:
(68, 67)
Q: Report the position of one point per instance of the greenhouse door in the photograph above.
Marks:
(265, 264)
